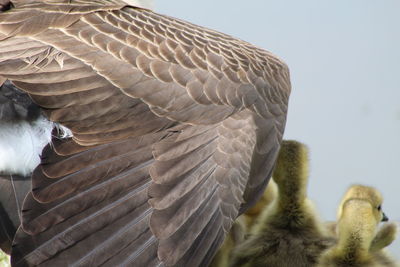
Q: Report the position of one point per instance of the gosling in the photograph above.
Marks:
(386, 234)
(358, 243)
(289, 233)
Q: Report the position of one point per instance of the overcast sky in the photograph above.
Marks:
(344, 58)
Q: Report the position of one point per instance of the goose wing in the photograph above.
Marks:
(176, 128)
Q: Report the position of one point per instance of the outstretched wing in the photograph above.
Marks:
(175, 127)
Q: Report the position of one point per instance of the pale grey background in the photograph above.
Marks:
(345, 69)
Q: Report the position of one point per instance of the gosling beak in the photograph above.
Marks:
(384, 217)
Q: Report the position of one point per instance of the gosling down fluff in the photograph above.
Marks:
(289, 233)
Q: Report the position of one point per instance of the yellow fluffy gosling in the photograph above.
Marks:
(289, 234)
(359, 244)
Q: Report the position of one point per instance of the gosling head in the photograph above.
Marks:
(365, 193)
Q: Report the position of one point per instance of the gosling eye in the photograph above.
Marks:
(379, 207)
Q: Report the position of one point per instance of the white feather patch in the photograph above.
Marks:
(149, 4)
(21, 145)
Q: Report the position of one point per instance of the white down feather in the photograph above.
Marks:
(21, 145)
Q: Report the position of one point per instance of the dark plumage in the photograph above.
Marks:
(289, 233)
(16, 105)
(13, 189)
(5, 5)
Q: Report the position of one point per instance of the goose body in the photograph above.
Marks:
(359, 243)
(289, 233)
(175, 132)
